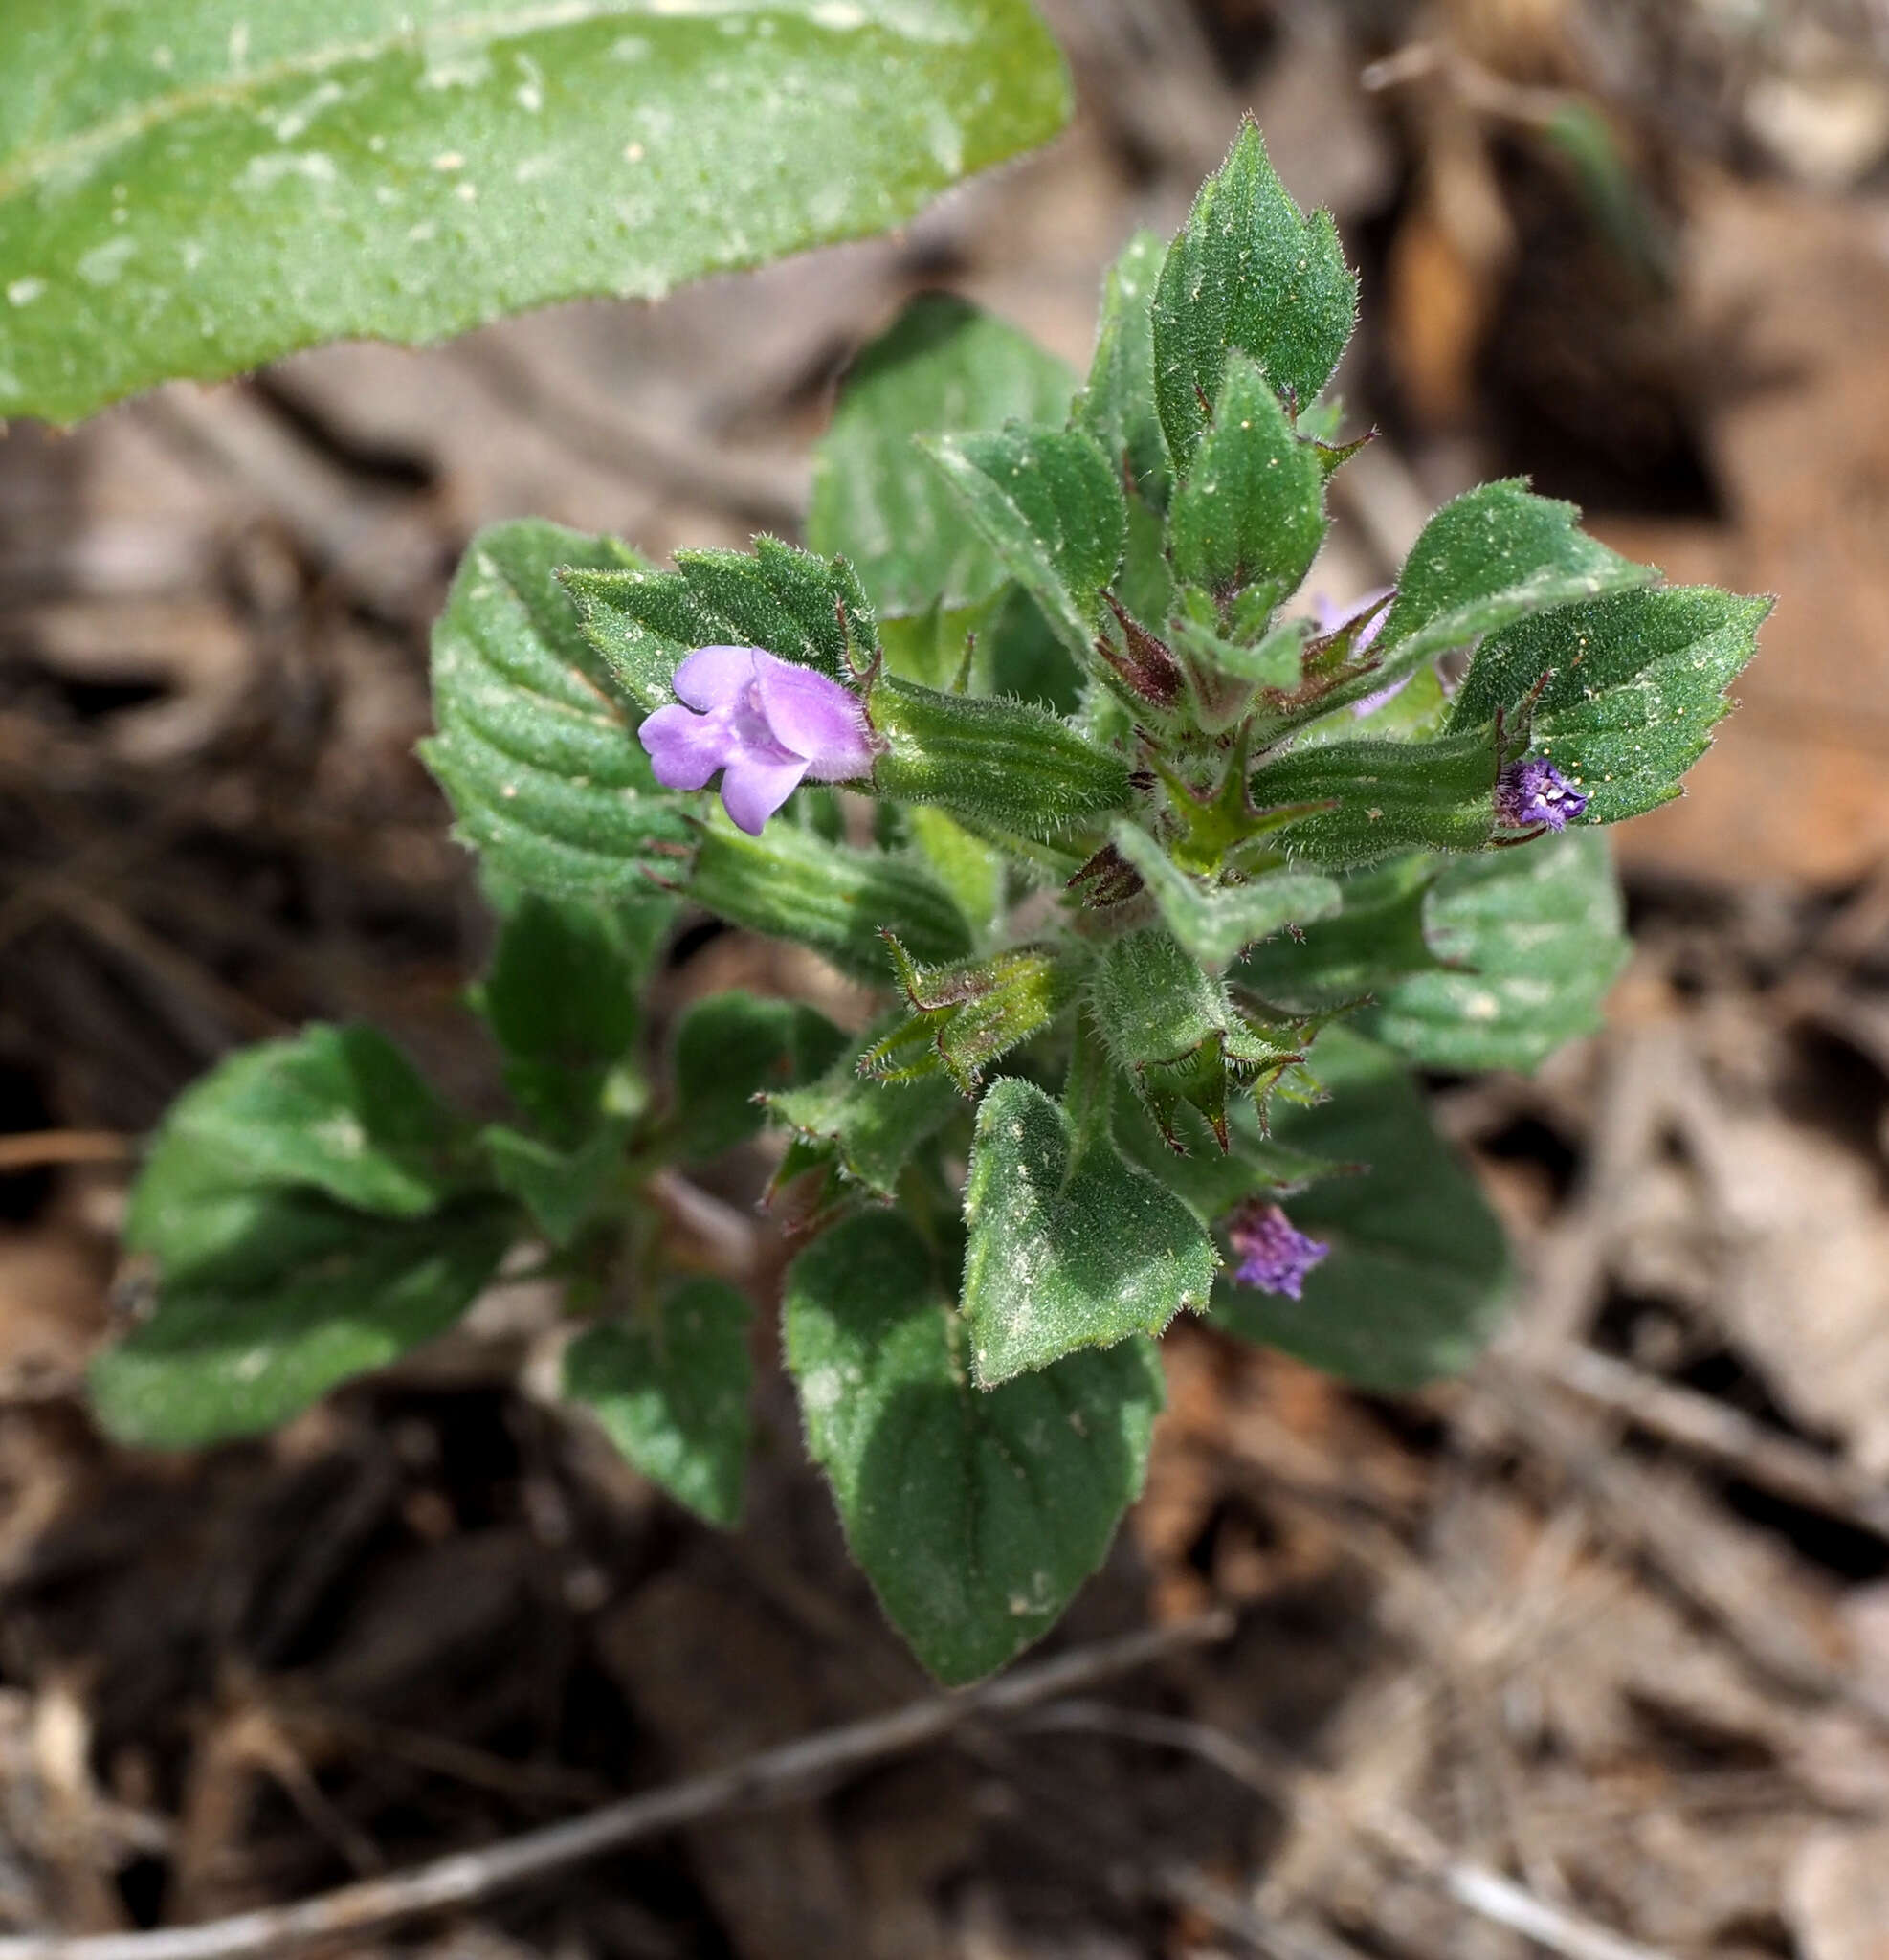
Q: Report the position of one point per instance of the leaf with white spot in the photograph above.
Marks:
(189, 188)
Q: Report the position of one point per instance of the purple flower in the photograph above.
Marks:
(1273, 1254)
(1532, 791)
(764, 723)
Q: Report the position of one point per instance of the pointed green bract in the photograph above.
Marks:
(1218, 921)
(1117, 405)
(1636, 685)
(862, 1131)
(975, 1514)
(190, 188)
(305, 1296)
(1418, 1273)
(1251, 508)
(1247, 271)
(942, 368)
(1534, 939)
(965, 1017)
(1051, 507)
(672, 1394)
(1071, 1246)
(536, 747)
(792, 884)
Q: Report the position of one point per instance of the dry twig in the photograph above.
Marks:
(467, 1878)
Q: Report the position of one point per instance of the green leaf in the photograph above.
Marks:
(730, 1050)
(1374, 941)
(976, 1515)
(1006, 763)
(642, 623)
(536, 750)
(1490, 557)
(942, 368)
(1051, 509)
(1070, 1247)
(1384, 797)
(1248, 271)
(189, 188)
(1022, 656)
(1638, 684)
(1538, 934)
(1251, 508)
(1418, 1272)
(1117, 406)
(1215, 922)
(862, 1131)
(563, 998)
(792, 884)
(308, 1296)
(561, 1189)
(340, 1110)
(672, 1395)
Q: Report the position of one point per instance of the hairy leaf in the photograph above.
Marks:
(308, 1296)
(1636, 683)
(536, 748)
(1051, 507)
(1070, 1247)
(1117, 405)
(1251, 508)
(976, 1514)
(1247, 271)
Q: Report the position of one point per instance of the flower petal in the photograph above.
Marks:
(713, 677)
(686, 749)
(812, 716)
(756, 786)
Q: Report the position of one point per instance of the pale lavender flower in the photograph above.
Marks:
(1534, 791)
(1371, 610)
(764, 723)
(1273, 1254)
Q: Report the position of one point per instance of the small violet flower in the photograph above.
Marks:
(764, 723)
(1533, 790)
(1273, 1254)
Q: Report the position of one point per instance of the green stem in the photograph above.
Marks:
(1088, 1089)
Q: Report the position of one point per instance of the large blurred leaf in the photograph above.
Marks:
(1418, 1271)
(536, 747)
(192, 186)
(672, 1393)
(975, 1513)
(339, 1110)
(309, 1295)
(942, 368)
(1534, 937)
